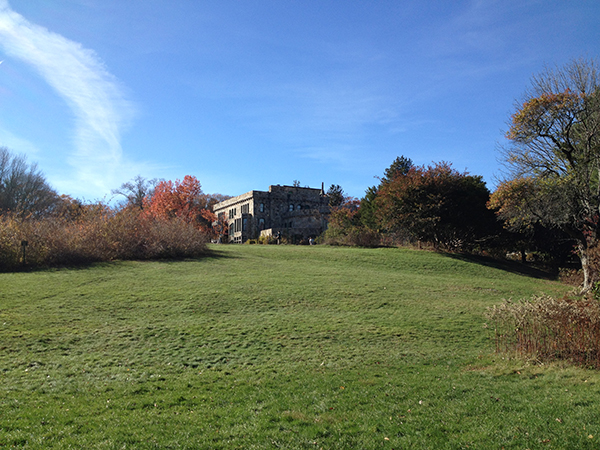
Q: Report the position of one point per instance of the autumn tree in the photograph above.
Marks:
(554, 159)
(436, 204)
(182, 200)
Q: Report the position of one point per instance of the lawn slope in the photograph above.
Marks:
(279, 347)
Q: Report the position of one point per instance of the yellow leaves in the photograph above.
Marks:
(538, 114)
(510, 201)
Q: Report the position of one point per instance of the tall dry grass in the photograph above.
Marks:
(97, 234)
(549, 329)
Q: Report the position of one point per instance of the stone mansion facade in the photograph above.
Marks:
(297, 213)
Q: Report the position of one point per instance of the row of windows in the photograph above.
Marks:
(298, 207)
(245, 209)
(242, 225)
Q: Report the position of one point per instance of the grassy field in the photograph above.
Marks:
(259, 347)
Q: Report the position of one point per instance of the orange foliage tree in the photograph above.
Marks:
(182, 200)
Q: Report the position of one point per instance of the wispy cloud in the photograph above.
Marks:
(81, 79)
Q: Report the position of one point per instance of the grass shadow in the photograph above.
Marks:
(209, 254)
(506, 265)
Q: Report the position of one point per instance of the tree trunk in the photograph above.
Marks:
(584, 257)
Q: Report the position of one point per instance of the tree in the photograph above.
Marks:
(368, 209)
(344, 228)
(336, 195)
(23, 188)
(436, 204)
(400, 166)
(211, 200)
(182, 200)
(554, 159)
(136, 190)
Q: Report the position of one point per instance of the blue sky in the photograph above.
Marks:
(244, 94)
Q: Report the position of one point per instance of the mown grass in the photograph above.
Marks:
(279, 347)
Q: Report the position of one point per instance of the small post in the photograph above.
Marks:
(24, 245)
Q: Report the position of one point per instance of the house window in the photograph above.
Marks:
(245, 224)
(245, 209)
(291, 208)
(298, 207)
(261, 224)
(261, 207)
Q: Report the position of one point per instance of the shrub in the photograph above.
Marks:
(98, 234)
(265, 240)
(345, 229)
(550, 329)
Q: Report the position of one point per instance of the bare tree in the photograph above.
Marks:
(23, 188)
(136, 190)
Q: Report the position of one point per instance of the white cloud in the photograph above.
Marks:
(82, 80)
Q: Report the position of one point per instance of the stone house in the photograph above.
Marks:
(297, 213)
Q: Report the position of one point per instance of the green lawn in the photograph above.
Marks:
(259, 347)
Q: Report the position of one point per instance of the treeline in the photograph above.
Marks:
(439, 207)
(155, 219)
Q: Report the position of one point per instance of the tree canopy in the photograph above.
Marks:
(436, 204)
